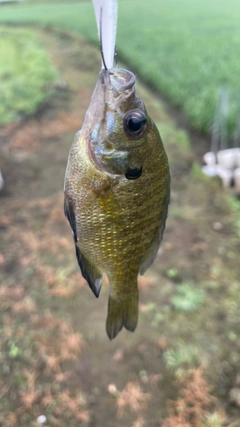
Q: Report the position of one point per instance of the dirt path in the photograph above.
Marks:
(46, 301)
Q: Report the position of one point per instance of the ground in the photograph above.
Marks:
(55, 357)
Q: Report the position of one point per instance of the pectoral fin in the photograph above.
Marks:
(91, 273)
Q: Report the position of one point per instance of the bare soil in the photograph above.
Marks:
(127, 382)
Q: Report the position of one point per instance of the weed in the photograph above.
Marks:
(188, 297)
(133, 397)
(172, 273)
(182, 358)
(191, 409)
(216, 419)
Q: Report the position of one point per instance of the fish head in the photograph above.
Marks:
(116, 125)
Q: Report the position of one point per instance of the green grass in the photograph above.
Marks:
(25, 74)
(188, 297)
(188, 50)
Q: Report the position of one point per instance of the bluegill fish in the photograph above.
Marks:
(116, 194)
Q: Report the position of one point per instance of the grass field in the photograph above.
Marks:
(187, 50)
(26, 74)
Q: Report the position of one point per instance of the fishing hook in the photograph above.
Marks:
(116, 56)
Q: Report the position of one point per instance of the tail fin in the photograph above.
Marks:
(122, 313)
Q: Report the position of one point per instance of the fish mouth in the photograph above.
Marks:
(118, 80)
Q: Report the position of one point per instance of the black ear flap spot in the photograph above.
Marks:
(133, 173)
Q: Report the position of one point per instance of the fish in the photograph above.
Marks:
(116, 193)
(116, 190)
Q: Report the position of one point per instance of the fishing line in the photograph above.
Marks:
(101, 41)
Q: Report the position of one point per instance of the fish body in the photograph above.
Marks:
(117, 194)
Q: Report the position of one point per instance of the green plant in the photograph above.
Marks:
(26, 74)
(188, 297)
(183, 357)
(172, 273)
(216, 419)
(14, 350)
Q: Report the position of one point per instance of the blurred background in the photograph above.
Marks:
(181, 367)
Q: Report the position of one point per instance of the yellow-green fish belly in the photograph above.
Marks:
(117, 219)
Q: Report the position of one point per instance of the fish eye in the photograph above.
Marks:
(135, 123)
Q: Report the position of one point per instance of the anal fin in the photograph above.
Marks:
(91, 273)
